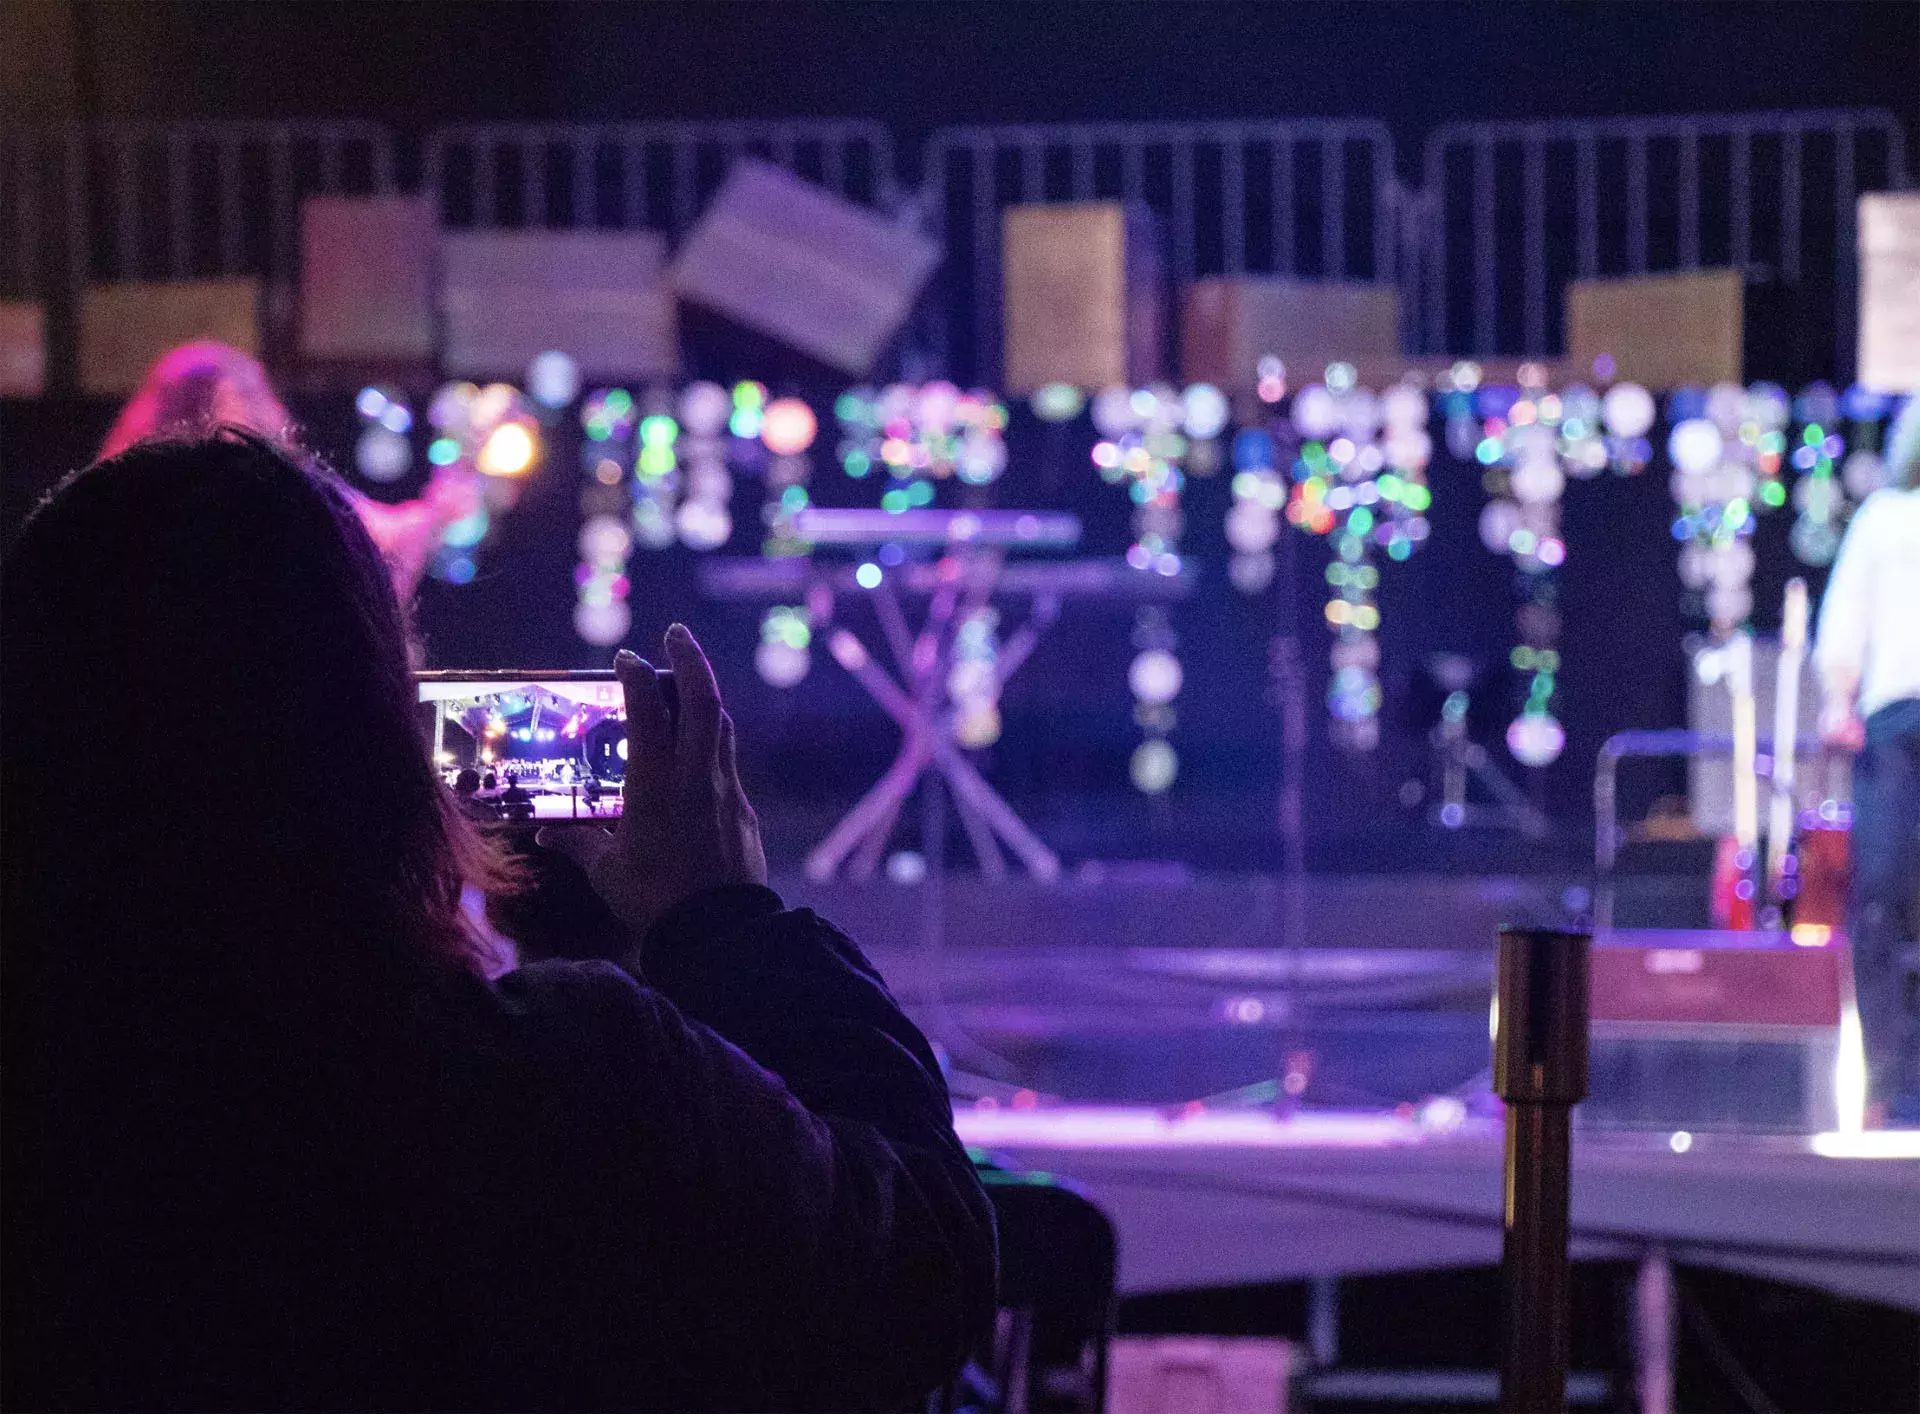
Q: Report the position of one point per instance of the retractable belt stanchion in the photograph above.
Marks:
(1540, 1071)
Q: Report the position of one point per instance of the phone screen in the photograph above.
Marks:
(528, 747)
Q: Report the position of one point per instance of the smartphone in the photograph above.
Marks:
(530, 747)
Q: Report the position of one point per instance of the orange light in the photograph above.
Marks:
(788, 427)
(509, 451)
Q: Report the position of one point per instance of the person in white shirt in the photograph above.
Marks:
(1869, 659)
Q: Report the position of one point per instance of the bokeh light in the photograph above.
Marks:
(382, 454)
(509, 451)
(1058, 402)
(602, 625)
(1155, 676)
(788, 427)
(1153, 766)
(553, 379)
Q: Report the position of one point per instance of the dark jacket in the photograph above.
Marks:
(736, 1187)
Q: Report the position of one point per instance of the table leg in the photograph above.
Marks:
(968, 783)
(877, 806)
(980, 836)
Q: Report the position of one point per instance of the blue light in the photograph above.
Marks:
(1253, 449)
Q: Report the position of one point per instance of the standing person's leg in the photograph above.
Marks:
(1886, 875)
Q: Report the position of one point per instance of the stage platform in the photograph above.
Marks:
(1086, 1018)
(1226, 1198)
(1157, 984)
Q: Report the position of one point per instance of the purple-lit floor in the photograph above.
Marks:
(1221, 1198)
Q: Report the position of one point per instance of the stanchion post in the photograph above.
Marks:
(1540, 1071)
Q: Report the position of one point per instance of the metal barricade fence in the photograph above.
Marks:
(1507, 214)
(29, 197)
(111, 202)
(177, 201)
(1315, 199)
(637, 176)
(1541, 203)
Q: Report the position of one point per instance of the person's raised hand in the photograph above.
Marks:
(1843, 730)
(686, 824)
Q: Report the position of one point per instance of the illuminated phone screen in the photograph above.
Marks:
(528, 746)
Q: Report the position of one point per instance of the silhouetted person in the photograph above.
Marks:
(516, 801)
(273, 1139)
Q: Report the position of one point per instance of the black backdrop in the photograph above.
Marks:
(1068, 717)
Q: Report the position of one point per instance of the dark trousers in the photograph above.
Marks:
(1886, 890)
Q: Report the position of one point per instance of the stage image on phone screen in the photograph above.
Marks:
(528, 747)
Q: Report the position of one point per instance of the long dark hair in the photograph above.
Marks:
(210, 723)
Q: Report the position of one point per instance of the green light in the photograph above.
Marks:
(1058, 402)
(1772, 493)
(794, 498)
(1522, 658)
(658, 429)
(1399, 548)
(619, 402)
(469, 530)
(655, 461)
(894, 501)
(1360, 521)
(1814, 434)
(920, 493)
(857, 463)
(1417, 497)
(443, 451)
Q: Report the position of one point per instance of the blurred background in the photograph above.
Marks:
(1403, 402)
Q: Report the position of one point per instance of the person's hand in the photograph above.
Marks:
(686, 824)
(1843, 729)
(1840, 724)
